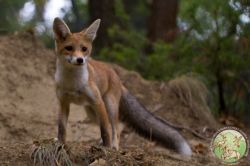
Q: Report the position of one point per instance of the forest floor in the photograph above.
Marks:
(28, 113)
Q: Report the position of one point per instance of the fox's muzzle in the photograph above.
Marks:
(79, 60)
(76, 60)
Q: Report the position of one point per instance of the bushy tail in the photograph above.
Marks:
(146, 124)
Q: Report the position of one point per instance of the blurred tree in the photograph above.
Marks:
(162, 23)
(216, 30)
(214, 42)
(138, 12)
(9, 11)
(78, 21)
(78, 16)
(39, 4)
(105, 10)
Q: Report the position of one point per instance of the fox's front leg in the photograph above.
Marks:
(62, 121)
(112, 106)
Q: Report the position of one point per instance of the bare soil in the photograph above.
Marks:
(28, 113)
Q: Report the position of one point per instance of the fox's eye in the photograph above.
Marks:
(84, 49)
(68, 48)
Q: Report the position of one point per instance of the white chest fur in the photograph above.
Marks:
(72, 82)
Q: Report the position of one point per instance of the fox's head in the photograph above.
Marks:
(74, 48)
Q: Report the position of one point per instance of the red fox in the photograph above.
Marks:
(95, 85)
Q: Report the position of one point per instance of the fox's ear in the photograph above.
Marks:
(60, 28)
(90, 32)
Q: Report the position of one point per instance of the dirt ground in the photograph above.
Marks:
(28, 113)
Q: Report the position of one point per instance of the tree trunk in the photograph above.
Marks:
(162, 23)
(105, 10)
(78, 23)
(220, 86)
(39, 4)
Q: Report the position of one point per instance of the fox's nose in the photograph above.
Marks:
(79, 60)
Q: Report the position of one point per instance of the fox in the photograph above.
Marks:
(96, 86)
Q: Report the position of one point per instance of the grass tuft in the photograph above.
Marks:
(50, 152)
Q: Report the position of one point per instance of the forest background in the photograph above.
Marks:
(160, 39)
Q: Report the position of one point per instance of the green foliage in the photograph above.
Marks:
(9, 11)
(126, 52)
(120, 11)
(218, 32)
(126, 48)
(211, 45)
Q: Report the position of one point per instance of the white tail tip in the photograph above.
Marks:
(185, 149)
